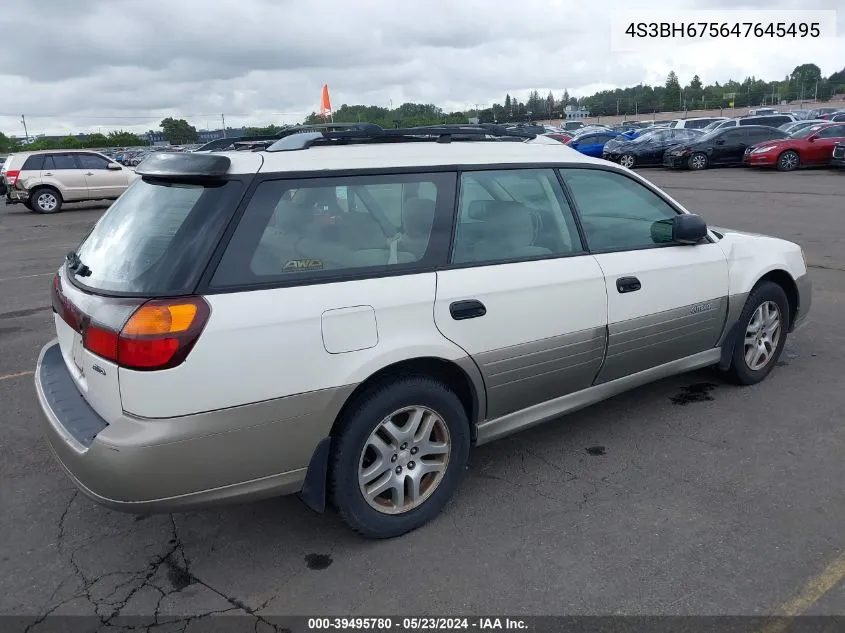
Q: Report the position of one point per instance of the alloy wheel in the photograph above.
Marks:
(404, 460)
(46, 201)
(762, 335)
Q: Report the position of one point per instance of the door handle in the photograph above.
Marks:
(628, 284)
(469, 309)
(89, 173)
(48, 173)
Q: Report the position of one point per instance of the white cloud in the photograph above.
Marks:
(89, 64)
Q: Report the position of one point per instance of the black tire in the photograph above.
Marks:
(39, 200)
(357, 425)
(28, 204)
(789, 161)
(739, 371)
(698, 161)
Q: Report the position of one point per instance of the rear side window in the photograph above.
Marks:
(59, 161)
(33, 163)
(157, 238)
(325, 228)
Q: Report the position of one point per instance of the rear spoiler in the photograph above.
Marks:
(164, 165)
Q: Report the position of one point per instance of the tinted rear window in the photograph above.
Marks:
(33, 163)
(157, 238)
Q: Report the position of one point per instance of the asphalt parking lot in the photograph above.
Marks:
(688, 496)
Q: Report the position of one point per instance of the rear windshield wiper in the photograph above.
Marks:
(76, 266)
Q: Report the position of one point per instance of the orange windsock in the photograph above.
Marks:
(325, 102)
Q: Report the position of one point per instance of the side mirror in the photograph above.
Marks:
(688, 228)
(721, 141)
(813, 138)
(114, 167)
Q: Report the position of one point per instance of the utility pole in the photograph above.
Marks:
(223, 121)
(25, 133)
(816, 93)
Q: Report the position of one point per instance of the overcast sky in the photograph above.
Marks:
(80, 65)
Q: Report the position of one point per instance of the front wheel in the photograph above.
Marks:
(788, 161)
(699, 161)
(628, 161)
(763, 326)
(399, 457)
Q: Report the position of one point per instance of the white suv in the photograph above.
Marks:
(345, 314)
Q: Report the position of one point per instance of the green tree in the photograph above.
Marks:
(7, 145)
(69, 142)
(128, 139)
(96, 140)
(42, 143)
(672, 95)
(178, 131)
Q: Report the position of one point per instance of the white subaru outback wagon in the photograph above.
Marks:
(345, 313)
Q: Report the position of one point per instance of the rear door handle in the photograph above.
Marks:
(89, 173)
(48, 173)
(469, 309)
(628, 284)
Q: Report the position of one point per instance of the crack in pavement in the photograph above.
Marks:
(108, 605)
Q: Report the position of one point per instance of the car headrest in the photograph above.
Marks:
(418, 217)
(509, 223)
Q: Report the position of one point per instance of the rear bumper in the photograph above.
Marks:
(160, 465)
(15, 196)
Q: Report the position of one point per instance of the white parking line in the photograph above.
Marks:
(26, 277)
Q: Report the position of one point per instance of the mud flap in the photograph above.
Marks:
(313, 493)
(728, 347)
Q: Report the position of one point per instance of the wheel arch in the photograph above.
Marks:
(783, 279)
(463, 377)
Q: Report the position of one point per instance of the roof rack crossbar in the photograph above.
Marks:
(303, 137)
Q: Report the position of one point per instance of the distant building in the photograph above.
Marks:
(157, 137)
(574, 112)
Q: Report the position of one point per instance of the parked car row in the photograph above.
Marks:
(44, 180)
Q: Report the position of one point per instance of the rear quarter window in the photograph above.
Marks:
(33, 163)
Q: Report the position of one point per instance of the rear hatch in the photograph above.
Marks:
(124, 298)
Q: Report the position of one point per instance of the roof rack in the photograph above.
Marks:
(303, 137)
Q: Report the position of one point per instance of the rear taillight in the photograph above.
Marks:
(12, 176)
(159, 334)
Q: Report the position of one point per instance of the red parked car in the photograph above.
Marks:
(810, 146)
(563, 138)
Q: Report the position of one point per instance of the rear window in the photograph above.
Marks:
(157, 238)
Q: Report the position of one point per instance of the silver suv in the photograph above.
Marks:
(44, 180)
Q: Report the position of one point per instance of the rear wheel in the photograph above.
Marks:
(45, 200)
(763, 326)
(399, 457)
(789, 161)
(699, 161)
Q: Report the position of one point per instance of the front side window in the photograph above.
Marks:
(325, 227)
(834, 131)
(508, 215)
(617, 212)
(91, 161)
